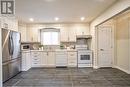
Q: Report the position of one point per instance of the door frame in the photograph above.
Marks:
(113, 44)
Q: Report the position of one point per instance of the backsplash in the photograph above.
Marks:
(70, 45)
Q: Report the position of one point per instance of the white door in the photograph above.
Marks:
(104, 46)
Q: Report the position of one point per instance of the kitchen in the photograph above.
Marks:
(65, 47)
(65, 40)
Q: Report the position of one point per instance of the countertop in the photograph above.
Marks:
(68, 50)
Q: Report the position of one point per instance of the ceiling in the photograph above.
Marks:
(44, 11)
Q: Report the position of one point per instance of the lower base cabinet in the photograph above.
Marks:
(26, 60)
(43, 59)
(51, 59)
(38, 58)
(72, 59)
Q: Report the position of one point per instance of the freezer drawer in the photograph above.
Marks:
(6, 75)
(11, 69)
(15, 67)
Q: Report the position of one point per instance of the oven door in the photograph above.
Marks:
(84, 57)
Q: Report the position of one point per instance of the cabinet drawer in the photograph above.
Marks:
(72, 54)
(72, 62)
(61, 53)
(35, 53)
(35, 56)
(35, 63)
(36, 59)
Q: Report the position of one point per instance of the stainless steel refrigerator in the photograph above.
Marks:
(11, 53)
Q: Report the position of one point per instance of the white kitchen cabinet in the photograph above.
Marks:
(68, 34)
(43, 59)
(48, 58)
(72, 35)
(64, 34)
(61, 58)
(22, 30)
(38, 58)
(33, 33)
(82, 30)
(72, 59)
(51, 59)
(26, 60)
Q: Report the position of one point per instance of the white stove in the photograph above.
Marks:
(84, 56)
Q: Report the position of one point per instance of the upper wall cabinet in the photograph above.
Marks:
(82, 29)
(68, 32)
(63, 34)
(32, 33)
(22, 30)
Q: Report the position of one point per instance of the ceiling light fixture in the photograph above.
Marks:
(31, 19)
(49, 0)
(82, 18)
(56, 18)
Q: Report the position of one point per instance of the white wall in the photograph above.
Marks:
(113, 10)
(122, 42)
(12, 23)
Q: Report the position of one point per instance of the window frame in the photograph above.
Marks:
(50, 30)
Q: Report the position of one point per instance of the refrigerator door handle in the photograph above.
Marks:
(9, 46)
(12, 48)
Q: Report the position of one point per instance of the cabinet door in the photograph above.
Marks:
(72, 59)
(44, 58)
(64, 34)
(22, 30)
(23, 61)
(82, 30)
(51, 59)
(32, 33)
(72, 34)
(26, 61)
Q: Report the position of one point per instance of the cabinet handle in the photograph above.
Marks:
(71, 54)
(47, 53)
(82, 33)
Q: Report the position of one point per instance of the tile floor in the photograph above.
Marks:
(70, 77)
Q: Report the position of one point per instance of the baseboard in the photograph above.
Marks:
(95, 67)
(127, 71)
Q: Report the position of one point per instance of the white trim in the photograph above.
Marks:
(1, 81)
(129, 42)
(127, 71)
(95, 67)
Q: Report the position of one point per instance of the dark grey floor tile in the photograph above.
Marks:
(70, 77)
